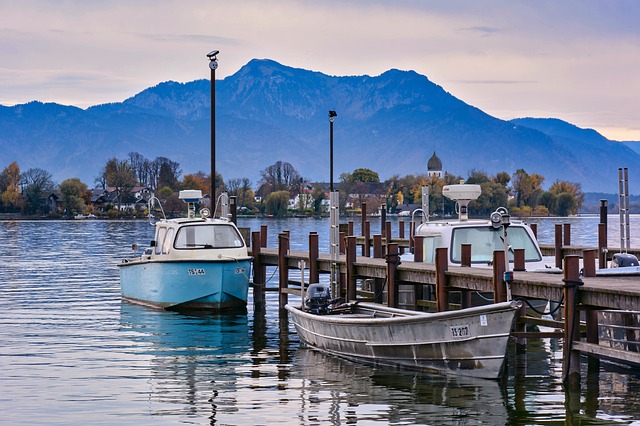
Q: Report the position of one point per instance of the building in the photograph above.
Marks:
(434, 166)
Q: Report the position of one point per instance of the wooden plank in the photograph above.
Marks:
(612, 353)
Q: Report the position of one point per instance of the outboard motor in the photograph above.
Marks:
(621, 260)
(318, 299)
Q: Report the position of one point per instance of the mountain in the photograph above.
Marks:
(267, 112)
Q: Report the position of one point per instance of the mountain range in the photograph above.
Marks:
(268, 112)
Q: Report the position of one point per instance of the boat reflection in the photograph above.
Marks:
(185, 360)
(334, 390)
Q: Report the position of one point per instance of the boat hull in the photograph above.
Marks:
(206, 285)
(470, 342)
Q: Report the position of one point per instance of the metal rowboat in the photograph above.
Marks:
(469, 342)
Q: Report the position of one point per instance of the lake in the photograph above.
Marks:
(72, 353)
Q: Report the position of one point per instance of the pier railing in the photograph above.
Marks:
(429, 286)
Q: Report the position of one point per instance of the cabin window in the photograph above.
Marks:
(166, 246)
(484, 241)
(162, 232)
(207, 237)
(429, 248)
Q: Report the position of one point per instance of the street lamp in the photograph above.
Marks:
(213, 65)
(332, 116)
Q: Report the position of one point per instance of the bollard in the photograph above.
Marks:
(442, 290)
(392, 266)
(571, 358)
(314, 254)
(351, 270)
(259, 271)
(499, 286)
(283, 279)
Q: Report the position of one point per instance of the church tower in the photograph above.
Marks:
(434, 166)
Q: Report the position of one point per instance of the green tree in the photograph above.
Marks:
(72, 194)
(364, 175)
(277, 203)
(566, 204)
(575, 189)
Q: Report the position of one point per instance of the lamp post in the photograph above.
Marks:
(334, 234)
(332, 115)
(213, 65)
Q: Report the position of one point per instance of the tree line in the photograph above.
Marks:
(523, 193)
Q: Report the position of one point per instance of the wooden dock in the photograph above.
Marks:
(430, 286)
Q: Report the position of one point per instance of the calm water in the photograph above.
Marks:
(71, 353)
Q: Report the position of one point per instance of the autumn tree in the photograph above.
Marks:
(574, 189)
(10, 186)
(277, 203)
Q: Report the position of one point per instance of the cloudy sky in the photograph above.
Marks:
(577, 60)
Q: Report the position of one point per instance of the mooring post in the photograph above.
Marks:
(401, 233)
(589, 262)
(351, 270)
(258, 271)
(534, 229)
(465, 260)
(518, 260)
(571, 358)
(383, 219)
(350, 228)
(392, 266)
(602, 245)
(419, 257)
(363, 221)
(591, 315)
(314, 254)
(411, 236)
(442, 286)
(566, 235)
(283, 281)
(233, 208)
(378, 283)
(499, 286)
(366, 250)
(263, 235)
(558, 245)
(387, 232)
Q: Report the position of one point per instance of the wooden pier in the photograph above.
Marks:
(429, 286)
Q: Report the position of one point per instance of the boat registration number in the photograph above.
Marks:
(195, 271)
(460, 331)
(239, 270)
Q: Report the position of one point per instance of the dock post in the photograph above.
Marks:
(401, 234)
(442, 290)
(589, 262)
(314, 272)
(283, 281)
(591, 315)
(534, 229)
(602, 245)
(363, 221)
(518, 260)
(566, 237)
(465, 260)
(411, 236)
(351, 270)
(418, 257)
(233, 209)
(571, 358)
(392, 266)
(387, 232)
(263, 235)
(366, 249)
(499, 286)
(558, 245)
(259, 275)
(378, 283)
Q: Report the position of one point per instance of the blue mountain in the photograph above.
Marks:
(267, 112)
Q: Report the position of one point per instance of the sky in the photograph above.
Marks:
(576, 60)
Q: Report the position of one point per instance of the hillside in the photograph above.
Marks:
(267, 112)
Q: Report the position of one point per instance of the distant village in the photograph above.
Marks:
(125, 186)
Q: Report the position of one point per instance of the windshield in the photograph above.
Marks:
(208, 236)
(485, 240)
